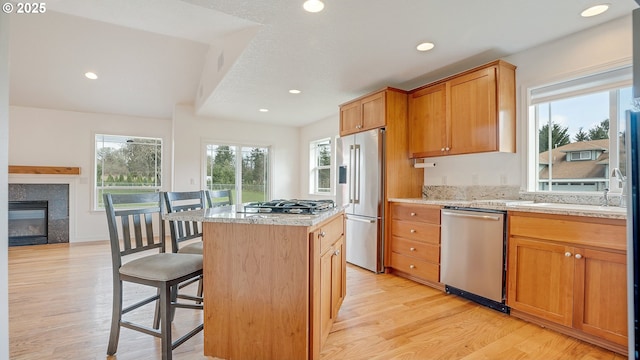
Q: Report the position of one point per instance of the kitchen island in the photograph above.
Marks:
(273, 283)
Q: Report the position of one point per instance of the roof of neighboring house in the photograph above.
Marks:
(602, 144)
(582, 169)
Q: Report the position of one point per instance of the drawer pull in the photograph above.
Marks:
(413, 231)
(567, 254)
(412, 266)
(578, 256)
(323, 234)
(413, 214)
(412, 249)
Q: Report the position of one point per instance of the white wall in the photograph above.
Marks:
(65, 138)
(606, 45)
(4, 155)
(322, 129)
(191, 132)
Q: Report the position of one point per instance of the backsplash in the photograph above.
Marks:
(481, 192)
(473, 192)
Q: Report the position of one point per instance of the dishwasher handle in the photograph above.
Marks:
(473, 216)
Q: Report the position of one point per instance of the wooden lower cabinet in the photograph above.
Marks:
(563, 284)
(414, 244)
(275, 290)
(328, 280)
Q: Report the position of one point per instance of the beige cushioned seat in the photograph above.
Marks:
(162, 267)
(194, 248)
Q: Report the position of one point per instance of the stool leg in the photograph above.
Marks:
(199, 290)
(165, 320)
(116, 317)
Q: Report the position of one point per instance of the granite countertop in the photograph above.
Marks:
(235, 214)
(609, 212)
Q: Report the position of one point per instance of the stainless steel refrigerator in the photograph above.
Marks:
(360, 163)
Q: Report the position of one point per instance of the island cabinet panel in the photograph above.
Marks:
(471, 112)
(415, 242)
(328, 280)
(569, 273)
(266, 288)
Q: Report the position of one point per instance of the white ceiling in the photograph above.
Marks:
(232, 57)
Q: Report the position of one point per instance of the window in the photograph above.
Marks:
(126, 164)
(575, 120)
(579, 155)
(320, 165)
(242, 169)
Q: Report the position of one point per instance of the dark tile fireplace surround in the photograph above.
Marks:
(27, 200)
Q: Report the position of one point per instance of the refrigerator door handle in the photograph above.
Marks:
(368, 221)
(356, 182)
(351, 172)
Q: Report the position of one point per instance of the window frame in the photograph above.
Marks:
(237, 196)
(95, 189)
(530, 158)
(314, 168)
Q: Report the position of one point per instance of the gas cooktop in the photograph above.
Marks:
(292, 206)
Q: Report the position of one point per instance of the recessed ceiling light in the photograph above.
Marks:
(425, 46)
(264, 110)
(595, 10)
(313, 6)
(90, 75)
(294, 91)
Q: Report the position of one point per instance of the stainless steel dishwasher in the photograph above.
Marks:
(473, 255)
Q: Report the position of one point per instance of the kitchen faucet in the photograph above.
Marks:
(621, 184)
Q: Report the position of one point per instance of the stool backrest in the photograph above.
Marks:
(217, 198)
(135, 224)
(177, 201)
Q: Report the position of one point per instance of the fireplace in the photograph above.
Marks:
(46, 218)
(28, 222)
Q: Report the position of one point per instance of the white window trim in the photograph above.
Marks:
(313, 168)
(529, 156)
(204, 142)
(94, 179)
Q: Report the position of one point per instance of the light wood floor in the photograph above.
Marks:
(60, 308)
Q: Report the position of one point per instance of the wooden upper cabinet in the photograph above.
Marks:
(365, 113)
(473, 117)
(472, 112)
(350, 118)
(427, 121)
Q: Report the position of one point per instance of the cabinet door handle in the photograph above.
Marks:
(578, 256)
(442, 149)
(337, 252)
(412, 249)
(567, 254)
(412, 266)
(413, 231)
(323, 234)
(447, 148)
(413, 214)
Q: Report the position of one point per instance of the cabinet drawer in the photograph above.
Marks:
(605, 233)
(418, 231)
(416, 249)
(418, 268)
(415, 212)
(332, 231)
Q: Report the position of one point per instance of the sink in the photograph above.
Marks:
(574, 207)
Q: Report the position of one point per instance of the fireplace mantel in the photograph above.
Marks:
(49, 170)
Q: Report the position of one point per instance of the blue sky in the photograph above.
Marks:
(585, 111)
